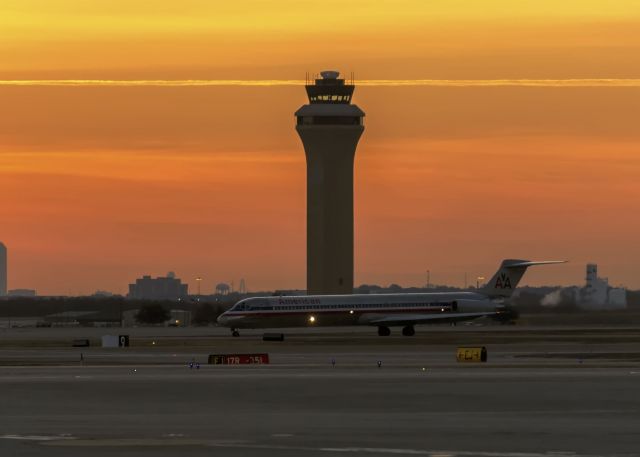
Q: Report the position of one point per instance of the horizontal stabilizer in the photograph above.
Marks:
(530, 263)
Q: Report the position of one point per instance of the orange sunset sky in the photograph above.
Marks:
(494, 129)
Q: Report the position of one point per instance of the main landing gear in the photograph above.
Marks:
(408, 330)
(384, 331)
(235, 332)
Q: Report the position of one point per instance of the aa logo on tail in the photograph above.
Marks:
(503, 282)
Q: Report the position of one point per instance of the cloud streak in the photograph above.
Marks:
(602, 82)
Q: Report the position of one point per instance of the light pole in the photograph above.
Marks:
(428, 279)
(198, 281)
(478, 279)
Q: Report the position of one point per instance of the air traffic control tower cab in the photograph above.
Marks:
(330, 102)
(329, 127)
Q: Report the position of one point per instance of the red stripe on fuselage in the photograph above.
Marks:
(332, 311)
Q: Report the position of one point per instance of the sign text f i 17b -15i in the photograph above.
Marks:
(380, 310)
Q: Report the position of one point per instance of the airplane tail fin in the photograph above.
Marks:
(506, 279)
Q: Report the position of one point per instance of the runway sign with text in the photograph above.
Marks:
(238, 359)
(472, 354)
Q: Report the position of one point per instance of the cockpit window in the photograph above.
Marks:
(241, 306)
(259, 305)
(252, 304)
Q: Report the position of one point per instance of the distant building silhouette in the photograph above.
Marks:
(329, 127)
(22, 293)
(597, 294)
(102, 293)
(3, 270)
(160, 288)
(223, 289)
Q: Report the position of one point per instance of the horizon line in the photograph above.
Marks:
(568, 82)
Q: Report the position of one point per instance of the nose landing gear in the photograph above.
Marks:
(235, 332)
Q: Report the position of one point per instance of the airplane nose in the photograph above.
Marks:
(222, 319)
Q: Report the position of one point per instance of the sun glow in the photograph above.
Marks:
(140, 138)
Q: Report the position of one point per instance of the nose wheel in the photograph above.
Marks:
(384, 331)
(235, 332)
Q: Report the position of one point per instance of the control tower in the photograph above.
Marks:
(330, 127)
(3, 270)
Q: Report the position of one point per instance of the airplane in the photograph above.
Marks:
(381, 310)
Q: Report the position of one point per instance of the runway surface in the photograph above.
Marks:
(576, 397)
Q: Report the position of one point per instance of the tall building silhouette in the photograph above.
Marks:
(160, 288)
(3, 270)
(330, 127)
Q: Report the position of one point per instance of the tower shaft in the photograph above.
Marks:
(3, 270)
(330, 153)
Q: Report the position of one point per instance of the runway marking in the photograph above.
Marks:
(178, 440)
(394, 451)
(37, 437)
(450, 453)
(127, 442)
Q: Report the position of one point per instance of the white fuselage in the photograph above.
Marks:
(338, 310)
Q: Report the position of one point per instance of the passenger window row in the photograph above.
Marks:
(345, 307)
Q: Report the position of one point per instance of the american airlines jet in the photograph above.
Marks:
(383, 310)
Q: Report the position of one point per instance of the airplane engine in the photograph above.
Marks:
(507, 315)
(471, 306)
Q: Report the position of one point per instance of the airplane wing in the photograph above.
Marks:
(412, 319)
